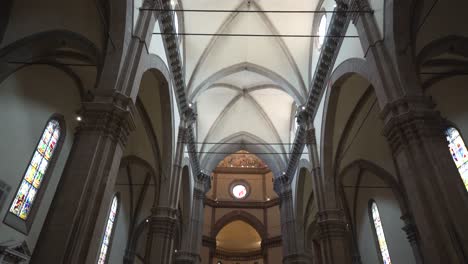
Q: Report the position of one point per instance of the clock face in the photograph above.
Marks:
(239, 191)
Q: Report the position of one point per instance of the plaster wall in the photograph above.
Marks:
(28, 98)
(358, 199)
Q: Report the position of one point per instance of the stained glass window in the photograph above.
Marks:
(380, 234)
(108, 231)
(459, 152)
(36, 170)
(239, 191)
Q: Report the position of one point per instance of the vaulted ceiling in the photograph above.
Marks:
(246, 89)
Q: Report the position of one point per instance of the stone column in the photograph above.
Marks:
(192, 239)
(437, 198)
(164, 217)
(332, 232)
(70, 232)
(293, 247)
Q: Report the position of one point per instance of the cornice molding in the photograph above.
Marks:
(242, 204)
(171, 45)
(327, 58)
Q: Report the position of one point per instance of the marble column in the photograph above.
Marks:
(73, 228)
(192, 239)
(332, 235)
(437, 198)
(293, 247)
(163, 219)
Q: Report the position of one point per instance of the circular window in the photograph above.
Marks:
(322, 31)
(239, 191)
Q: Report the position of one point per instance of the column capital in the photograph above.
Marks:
(183, 257)
(113, 116)
(282, 184)
(163, 221)
(202, 183)
(331, 223)
(411, 119)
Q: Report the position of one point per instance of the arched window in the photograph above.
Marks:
(379, 233)
(37, 168)
(105, 244)
(459, 152)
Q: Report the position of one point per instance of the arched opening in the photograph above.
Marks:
(238, 237)
(359, 165)
(241, 212)
(141, 169)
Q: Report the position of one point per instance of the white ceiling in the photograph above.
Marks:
(246, 85)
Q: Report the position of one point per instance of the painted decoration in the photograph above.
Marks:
(380, 234)
(36, 170)
(459, 153)
(239, 191)
(108, 232)
(242, 159)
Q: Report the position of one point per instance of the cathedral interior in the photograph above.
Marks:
(233, 132)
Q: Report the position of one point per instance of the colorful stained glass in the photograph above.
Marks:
(459, 152)
(108, 232)
(34, 175)
(380, 234)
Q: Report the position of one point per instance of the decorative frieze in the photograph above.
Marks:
(114, 117)
(410, 120)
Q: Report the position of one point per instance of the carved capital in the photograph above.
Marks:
(163, 221)
(112, 116)
(411, 120)
(183, 257)
(331, 224)
(203, 183)
(297, 259)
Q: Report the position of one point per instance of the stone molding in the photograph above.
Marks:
(359, 5)
(327, 58)
(297, 259)
(411, 119)
(163, 221)
(272, 242)
(183, 257)
(242, 204)
(171, 44)
(236, 256)
(114, 118)
(331, 224)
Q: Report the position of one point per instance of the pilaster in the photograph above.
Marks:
(192, 239)
(73, 227)
(332, 234)
(438, 200)
(293, 247)
(164, 217)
